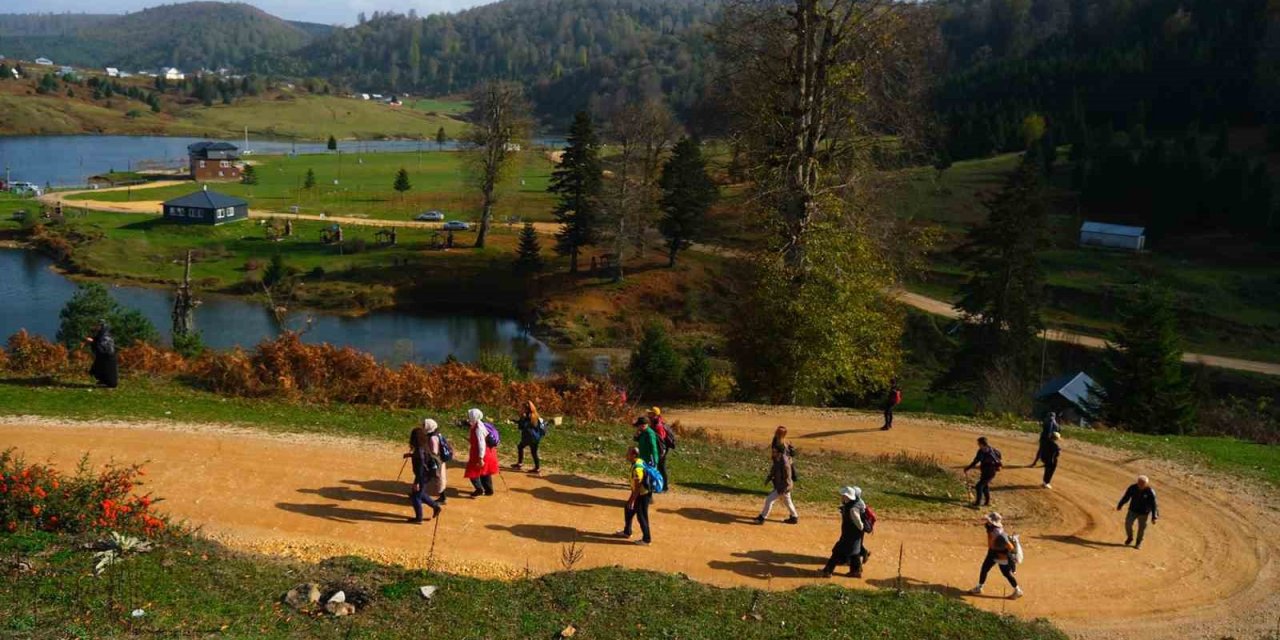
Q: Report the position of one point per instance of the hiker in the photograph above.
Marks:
(891, 400)
(106, 368)
(532, 429)
(1142, 504)
(1050, 452)
(425, 467)
(849, 547)
(647, 441)
(440, 450)
(1000, 551)
(780, 476)
(1047, 429)
(638, 502)
(666, 441)
(988, 461)
(482, 462)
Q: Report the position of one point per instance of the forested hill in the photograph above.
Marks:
(188, 36)
(567, 51)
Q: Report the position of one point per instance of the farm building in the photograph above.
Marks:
(1071, 396)
(113, 72)
(206, 207)
(172, 74)
(214, 161)
(1113, 236)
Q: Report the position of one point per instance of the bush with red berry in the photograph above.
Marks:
(39, 497)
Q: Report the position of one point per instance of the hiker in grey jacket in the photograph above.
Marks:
(1142, 504)
(1047, 429)
(781, 477)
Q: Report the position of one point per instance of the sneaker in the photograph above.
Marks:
(759, 519)
(1017, 593)
(535, 471)
(413, 520)
(622, 534)
(885, 428)
(517, 466)
(826, 574)
(976, 590)
(643, 543)
(791, 520)
(854, 574)
(1047, 485)
(1137, 546)
(477, 493)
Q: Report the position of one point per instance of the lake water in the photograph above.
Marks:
(71, 160)
(32, 293)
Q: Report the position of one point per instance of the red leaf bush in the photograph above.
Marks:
(39, 497)
(33, 355)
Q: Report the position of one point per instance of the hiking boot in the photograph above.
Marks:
(435, 512)
(885, 428)
(791, 520)
(976, 590)
(517, 466)
(413, 520)
(1017, 593)
(477, 493)
(622, 534)
(643, 543)
(488, 493)
(854, 574)
(759, 520)
(536, 471)
(826, 574)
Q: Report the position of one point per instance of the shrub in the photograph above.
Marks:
(499, 363)
(92, 303)
(33, 355)
(38, 497)
(697, 379)
(656, 367)
(149, 359)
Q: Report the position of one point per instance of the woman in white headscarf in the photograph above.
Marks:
(849, 547)
(438, 484)
(482, 462)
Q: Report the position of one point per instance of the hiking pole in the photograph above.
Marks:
(435, 533)
(402, 466)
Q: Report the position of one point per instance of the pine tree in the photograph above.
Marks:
(655, 368)
(687, 194)
(578, 181)
(1142, 383)
(333, 143)
(441, 138)
(529, 252)
(402, 182)
(309, 182)
(250, 175)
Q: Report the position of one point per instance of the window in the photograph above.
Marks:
(224, 164)
(202, 164)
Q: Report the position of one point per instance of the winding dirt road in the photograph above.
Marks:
(1208, 569)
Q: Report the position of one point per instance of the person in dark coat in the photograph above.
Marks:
(1047, 429)
(1050, 451)
(532, 430)
(425, 468)
(106, 367)
(1142, 505)
(891, 400)
(849, 547)
(988, 461)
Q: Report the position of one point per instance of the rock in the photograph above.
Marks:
(568, 632)
(340, 609)
(427, 591)
(302, 596)
(340, 596)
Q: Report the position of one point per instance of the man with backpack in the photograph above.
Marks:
(1003, 550)
(891, 400)
(666, 440)
(647, 441)
(637, 507)
(989, 462)
(1142, 504)
(482, 459)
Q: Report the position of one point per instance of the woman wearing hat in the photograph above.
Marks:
(1000, 549)
(425, 467)
(849, 547)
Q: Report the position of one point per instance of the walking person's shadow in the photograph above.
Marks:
(910, 584)
(763, 564)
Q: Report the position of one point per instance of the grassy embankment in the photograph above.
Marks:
(191, 587)
(1227, 306)
(283, 114)
(364, 186)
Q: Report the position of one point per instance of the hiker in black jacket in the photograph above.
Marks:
(1142, 504)
(105, 367)
(1047, 429)
(849, 547)
(891, 399)
(988, 461)
(1049, 452)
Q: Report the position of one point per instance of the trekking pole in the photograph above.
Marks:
(435, 533)
(402, 466)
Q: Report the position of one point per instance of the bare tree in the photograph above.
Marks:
(498, 130)
(643, 133)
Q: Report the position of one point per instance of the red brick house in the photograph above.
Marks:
(214, 161)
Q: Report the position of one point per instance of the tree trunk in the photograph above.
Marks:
(671, 255)
(485, 215)
(573, 260)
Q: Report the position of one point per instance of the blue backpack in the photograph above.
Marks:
(653, 480)
(446, 450)
(493, 438)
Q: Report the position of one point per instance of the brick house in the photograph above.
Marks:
(214, 161)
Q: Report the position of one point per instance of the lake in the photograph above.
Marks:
(32, 294)
(71, 160)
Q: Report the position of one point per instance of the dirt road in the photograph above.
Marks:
(1209, 568)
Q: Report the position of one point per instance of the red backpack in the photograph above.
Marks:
(868, 520)
(897, 396)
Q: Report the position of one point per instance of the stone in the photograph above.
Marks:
(340, 609)
(568, 632)
(302, 596)
(340, 596)
(427, 591)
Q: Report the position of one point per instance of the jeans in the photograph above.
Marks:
(786, 498)
(1141, 519)
(982, 490)
(639, 512)
(1008, 569)
(533, 448)
(483, 484)
(888, 417)
(1050, 466)
(419, 498)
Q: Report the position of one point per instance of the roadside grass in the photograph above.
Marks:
(193, 587)
(449, 107)
(364, 186)
(901, 484)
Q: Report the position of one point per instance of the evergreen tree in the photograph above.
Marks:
(309, 182)
(578, 181)
(92, 303)
(402, 182)
(1001, 300)
(333, 143)
(250, 175)
(1143, 387)
(441, 138)
(529, 252)
(687, 194)
(656, 368)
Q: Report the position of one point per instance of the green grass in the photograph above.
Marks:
(194, 587)
(438, 105)
(596, 449)
(318, 117)
(364, 186)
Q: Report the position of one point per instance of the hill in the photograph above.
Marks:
(188, 36)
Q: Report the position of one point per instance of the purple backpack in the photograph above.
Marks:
(493, 438)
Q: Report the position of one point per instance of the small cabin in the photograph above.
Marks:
(1072, 396)
(214, 161)
(206, 207)
(1113, 236)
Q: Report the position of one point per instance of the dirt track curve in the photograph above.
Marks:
(1208, 569)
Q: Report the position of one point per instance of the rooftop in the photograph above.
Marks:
(1112, 229)
(206, 199)
(1076, 388)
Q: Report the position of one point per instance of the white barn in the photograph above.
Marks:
(1113, 236)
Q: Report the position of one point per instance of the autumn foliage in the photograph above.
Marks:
(38, 497)
(33, 355)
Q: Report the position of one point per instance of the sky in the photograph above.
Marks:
(323, 11)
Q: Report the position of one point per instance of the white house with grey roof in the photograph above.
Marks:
(1113, 236)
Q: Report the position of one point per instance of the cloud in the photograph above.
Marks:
(322, 11)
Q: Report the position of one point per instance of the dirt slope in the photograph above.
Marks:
(1208, 569)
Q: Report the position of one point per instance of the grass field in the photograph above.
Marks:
(364, 186)
(189, 587)
(442, 106)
